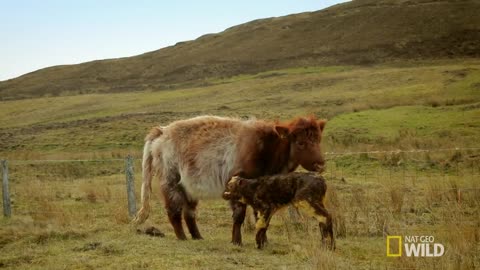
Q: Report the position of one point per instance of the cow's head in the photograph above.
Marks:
(304, 136)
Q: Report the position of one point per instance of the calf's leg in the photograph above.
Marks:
(261, 226)
(326, 227)
(255, 212)
(318, 211)
(239, 209)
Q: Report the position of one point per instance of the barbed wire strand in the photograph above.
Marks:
(326, 153)
(402, 151)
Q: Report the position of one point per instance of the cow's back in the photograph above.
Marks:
(203, 150)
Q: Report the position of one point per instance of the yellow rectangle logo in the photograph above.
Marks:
(399, 253)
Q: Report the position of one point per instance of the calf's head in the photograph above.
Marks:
(237, 187)
(304, 136)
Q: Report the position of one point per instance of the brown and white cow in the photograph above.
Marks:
(194, 159)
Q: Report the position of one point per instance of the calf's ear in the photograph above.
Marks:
(282, 131)
(241, 182)
(321, 124)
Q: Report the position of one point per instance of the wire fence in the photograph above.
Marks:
(453, 172)
(397, 151)
(370, 193)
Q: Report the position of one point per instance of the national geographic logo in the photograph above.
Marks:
(414, 246)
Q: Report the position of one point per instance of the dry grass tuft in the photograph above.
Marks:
(120, 215)
(335, 206)
(397, 195)
(94, 194)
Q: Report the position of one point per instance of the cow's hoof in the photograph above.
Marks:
(237, 243)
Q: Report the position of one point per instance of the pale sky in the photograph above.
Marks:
(41, 33)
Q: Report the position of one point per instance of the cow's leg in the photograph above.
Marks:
(190, 219)
(174, 201)
(238, 216)
(261, 226)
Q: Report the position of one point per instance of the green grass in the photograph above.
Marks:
(437, 103)
(281, 72)
(439, 127)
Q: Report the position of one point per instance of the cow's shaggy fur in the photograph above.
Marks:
(267, 194)
(194, 158)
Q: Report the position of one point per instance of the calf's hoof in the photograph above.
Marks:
(261, 242)
(332, 246)
(261, 245)
(329, 244)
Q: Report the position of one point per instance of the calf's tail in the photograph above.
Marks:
(147, 175)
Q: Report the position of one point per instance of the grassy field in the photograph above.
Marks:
(72, 215)
(436, 103)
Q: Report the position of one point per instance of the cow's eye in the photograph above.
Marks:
(301, 144)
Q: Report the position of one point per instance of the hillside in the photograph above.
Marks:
(381, 106)
(355, 33)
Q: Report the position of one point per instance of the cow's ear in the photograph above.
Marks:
(282, 131)
(321, 124)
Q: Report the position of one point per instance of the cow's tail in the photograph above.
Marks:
(147, 175)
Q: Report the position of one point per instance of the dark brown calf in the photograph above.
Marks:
(267, 194)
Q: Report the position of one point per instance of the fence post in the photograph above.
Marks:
(7, 210)
(132, 209)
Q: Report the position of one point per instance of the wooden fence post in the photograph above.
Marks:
(7, 210)
(132, 209)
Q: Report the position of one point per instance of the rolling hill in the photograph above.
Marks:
(361, 32)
